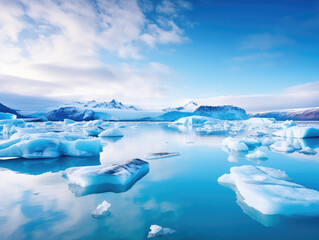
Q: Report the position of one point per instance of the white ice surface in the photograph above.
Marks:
(269, 191)
(101, 209)
(257, 155)
(157, 230)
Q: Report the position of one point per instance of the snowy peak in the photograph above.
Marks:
(188, 107)
(113, 104)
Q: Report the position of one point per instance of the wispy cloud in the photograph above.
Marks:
(257, 57)
(304, 95)
(265, 41)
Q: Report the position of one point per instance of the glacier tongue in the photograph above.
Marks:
(269, 191)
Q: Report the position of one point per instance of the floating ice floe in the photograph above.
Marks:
(269, 191)
(282, 146)
(257, 155)
(111, 133)
(308, 150)
(49, 145)
(159, 231)
(101, 209)
(158, 155)
(267, 141)
(298, 132)
(115, 178)
(7, 116)
(241, 144)
(93, 131)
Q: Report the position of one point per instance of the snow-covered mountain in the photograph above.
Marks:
(188, 107)
(113, 104)
(299, 114)
(91, 110)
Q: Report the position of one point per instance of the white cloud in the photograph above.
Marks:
(54, 48)
(304, 95)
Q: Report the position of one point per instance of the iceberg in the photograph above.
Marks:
(257, 155)
(111, 133)
(159, 231)
(101, 209)
(270, 191)
(93, 131)
(7, 116)
(49, 145)
(298, 132)
(159, 155)
(97, 179)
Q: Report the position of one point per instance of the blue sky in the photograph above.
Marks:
(260, 55)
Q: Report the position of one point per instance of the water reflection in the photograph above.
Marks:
(40, 166)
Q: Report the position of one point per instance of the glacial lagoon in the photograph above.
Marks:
(180, 192)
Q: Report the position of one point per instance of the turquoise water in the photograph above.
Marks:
(181, 193)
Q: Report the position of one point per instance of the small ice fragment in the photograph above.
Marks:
(159, 231)
(101, 209)
(257, 155)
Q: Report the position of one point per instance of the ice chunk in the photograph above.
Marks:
(162, 155)
(101, 209)
(49, 145)
(115, 178)
(308, 150)
(257, 155)
(195, 120)
(267, 141)
(111, 133)
(159, 231)
(7, 116)
(282, 146)
(261, 121)
(269, 191)
(298, 132)
(68, 121)
(235, 145)
(93, 131)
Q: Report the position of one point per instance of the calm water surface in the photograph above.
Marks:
(181, 193)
